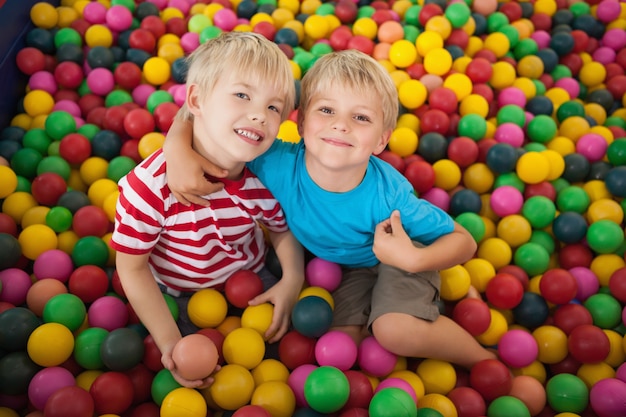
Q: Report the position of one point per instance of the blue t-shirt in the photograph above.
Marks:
(339, 227)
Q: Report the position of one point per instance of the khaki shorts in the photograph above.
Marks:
(367, 293)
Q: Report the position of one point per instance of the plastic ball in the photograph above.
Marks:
(46, 382)
(14, 286)
(297, 379)
(70, 401)
(375, 359)
(274, 396)
(491, 378)
(604, 396)
(517, 348)
(42, 291)
(588, 344)
(258, 317)
(232, 388)
(604, 309)
(122, 349)
(295, 349)
(322, 273)
(326, 389)
(507, 406)
(558, 286)
(604, 236)
(66, 309)
(473, 315)
(112, 392)
(567, 393)
(251, 411)
(437, 376)
(37, 239)
(337, 349)
(207, 308)
(87, 347)
(312, 316)
(50, 344)
(392, 401)
(108, 312)
(244, 347)
(183, 402)
(506, 200)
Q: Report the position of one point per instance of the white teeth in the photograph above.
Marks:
(248, 134)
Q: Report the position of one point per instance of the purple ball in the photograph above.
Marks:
(542, 38)
(141, 93)
(322, 273)
(296, 381)
(15, 286)
(46, 382)
(336, 348)
(604, 55)
(68, 106)
(108, 312)
(55, 264)
(607, 398)
(518, 348)
(375, 359)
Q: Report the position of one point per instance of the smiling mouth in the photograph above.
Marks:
(337, 142)
(249, 135)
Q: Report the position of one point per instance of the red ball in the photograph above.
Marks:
(468, 402)
(88, 282)
(88, 102)
(127, 75)
(69, 95)
(142, 39)
(361, 390)
(141, 377)
(435, 120)
(164, 115)
(295, 349)
(617, 284)
(458, 37)
(511, 10)
(267, 29)
(473, 315)
(252, 411)
(428, 11)
(90, 221)
(575, 254)
(421, 175)
(573, 61)
(588, 344)
(138, 122)
(394, 160)
(483, 147)
(8, 225)
(71, 401)
(340, 38)
(346, 11)
(151, 354)
(558, 286)
(617, 86)
(114, 119)
(543, 188)
(218, 340)
(30, 60)
(80, 25)
(569, 365)
(68, 74)
(242, 286)
(112, 392)
(75, 148)
(491, 378)
(463, 151)
(176, 26)
(504, 291)
(130, 148)
(154, 25)
(355, 412)
(541, 21)
(47, 187)
(479, 70)
(444, 99)
(569, 316)
(147, 409)
(361, 43)
(381, 16)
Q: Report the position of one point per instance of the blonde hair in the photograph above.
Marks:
(356, 70)
(251, 54)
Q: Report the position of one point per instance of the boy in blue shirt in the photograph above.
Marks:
(347, 206)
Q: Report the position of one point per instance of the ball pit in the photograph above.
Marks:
(512, 120)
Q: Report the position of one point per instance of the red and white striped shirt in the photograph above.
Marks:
(194, 247)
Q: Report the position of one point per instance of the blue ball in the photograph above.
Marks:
(615, 181)
(312, 316)
(501, 158)
(532, 311)
(464, 201)
(569, 227)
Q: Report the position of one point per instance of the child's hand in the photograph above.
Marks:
(168, 363)
(189, 184)
(391, 243)
(283, 298)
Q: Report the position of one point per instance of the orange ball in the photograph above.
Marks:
(41, 291)
(195, 356)
(530, 391)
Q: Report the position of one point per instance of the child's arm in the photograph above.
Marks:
(394, 247)
(144, 295)
(285, 293)
(186, 168)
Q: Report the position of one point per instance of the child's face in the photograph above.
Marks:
(342, 128)
(237, 120)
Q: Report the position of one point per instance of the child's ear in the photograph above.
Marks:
(192, 100)
(384, 140)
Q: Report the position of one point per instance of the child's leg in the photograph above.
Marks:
(441, 339)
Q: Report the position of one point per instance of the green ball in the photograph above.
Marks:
(473, 223)
(511, 113)
(524, 48)
(411, 15)
(162, 384)
(428, 412)
(605, 236)
(569, 109)
(59, 123)
(365, 11)
(507, 406)
(532, 258)
(119, 166)
(567, 393)
(24, 162)
(37, 139)
(509, 178)
(606, 310)
(411, 33)
(66, 309)
(157, 98)
(457, 14)
(541, 128)
(172, 305)
(325, 9)
(59, 219)
(304, 59)
(539, 210)
(67, 35)
(122, 349)
(210, 32)
(197, 23)
(573, 198)
(392, 402)
(545, 239)
(511, 33)
(326, 389)
(87, 347)
(473, 126)
(88, 130)
(321, 48)
(616, 152)
(117, 98)
(90, 250)
(56, 164)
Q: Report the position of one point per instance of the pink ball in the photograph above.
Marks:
(179, 94)
(518, 348)
(141, 93)
(160, 4)
(119, 18)
(512, 95)
(506, 200)
(108, 312)
(615, 39)
(68, 106)
(296, 381)
(225, 19)
(53, 263)
(100, 81)
(587, 281)
(437, 196)
(375, 359)
(43, 80)
(189, 42)
(592, 146)
(397, 383)
(604, 55)
(15, 285)
(607, 398)
(322, 273)
(621, 372)
(542, 38)
(336, 348)
(182, 5)
(608, 11)
(570, 85)
(46, 382)
(509, 133)
(95, 13)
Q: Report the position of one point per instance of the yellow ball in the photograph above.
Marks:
(171, 52)
(171, 12)
(498, 43)
(281, 16)
(592, 74)
(574, 127)
(318, 292)
(440, 403)
(439, 24)
(156, 70)
(604, 265)
(8, 181)
(596, 190)
(562, 145)
(67, 15)
(556, 164)
(438, 376)
(44, 15)
(109, 205)
(245, 347)
(403, 141)
(402, 53)
(536, 369)
(183, 402)
(474, 104)
(100, 190)
(545, 6)
(50, 344)
(591, 373)
(98, 35)
(67, 241)
(309, 6)
(447, 174)
(496, 251)
(481, 272)
(514, 229)
(22, 120)
(258, 317)
(38, 102)
(427, 41)
(527, 86)
(532, 167)
(412, 378)
(37, 239)
(316, 26)
(409, 120)
(93, 169)
(605, 209)
(617, 355)
(207, 308)
(455, 282)
(497, 328)
(412, 94)
(438, 61)
(288, 132)
(229, 324)
(270, 370)
(461, 84)
(7, 412)
(35, 215)
(276, 397)
(365, 26)
(149, 143)
(552, 343)
(232, 387)
(530, 66)
(398, 76)
(478, 177)
(292, 5)
(503, 75)
(86, 378)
